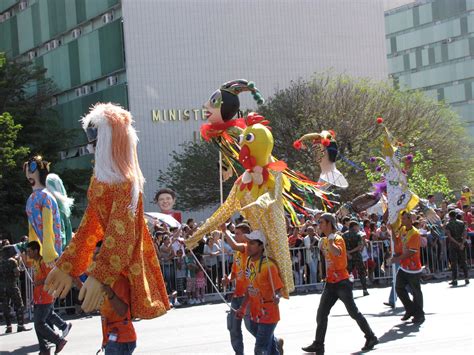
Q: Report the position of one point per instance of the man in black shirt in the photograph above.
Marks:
(457, 235)
(354, 246)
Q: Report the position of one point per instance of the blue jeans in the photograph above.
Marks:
(44, 332)
(392, 299)
(265, 341)
(234, 325)
(114, 348)
(55, 319)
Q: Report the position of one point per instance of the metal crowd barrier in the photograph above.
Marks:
(308, 271)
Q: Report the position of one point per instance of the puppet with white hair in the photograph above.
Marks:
(114, 215)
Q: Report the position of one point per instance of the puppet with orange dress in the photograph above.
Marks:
(114, 215)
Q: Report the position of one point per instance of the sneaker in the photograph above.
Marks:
(9, 329)
(191, 302)
(280, 343)
(315, 347)
(454, 283)
(407, 316)
(62, 343)
(366, 293)
(370, 343)
(176, 303)
(202, 300)
(466, 282)
(388, 304)
(66, 331)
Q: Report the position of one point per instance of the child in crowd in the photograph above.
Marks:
(200, 282)
(180, 274)
(191, 268)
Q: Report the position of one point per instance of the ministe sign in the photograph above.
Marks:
(176, 115)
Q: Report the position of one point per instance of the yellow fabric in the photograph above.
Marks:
(47, 250)
(265, 214)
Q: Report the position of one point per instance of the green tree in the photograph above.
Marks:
(350, 106)
(424, 182)
(26, 95)
(10, 153)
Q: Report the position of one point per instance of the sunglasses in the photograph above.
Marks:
(91, 133)
(32, 166)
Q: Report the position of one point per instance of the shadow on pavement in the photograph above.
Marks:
(24, 350)
(397, 332)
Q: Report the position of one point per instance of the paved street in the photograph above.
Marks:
(202, 329)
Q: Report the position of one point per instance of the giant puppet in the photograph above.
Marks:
(114, 215)
(44, 222)
(258, 195)
(326, 149)
(226, 124)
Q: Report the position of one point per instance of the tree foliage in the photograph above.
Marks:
(349, 106)
(10, 152)
(25, 94)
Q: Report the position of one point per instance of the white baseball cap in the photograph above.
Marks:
(256, 235)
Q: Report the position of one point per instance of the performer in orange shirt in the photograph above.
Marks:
(44, 303)
(118, 333)
(263, 296)
(239, 245)
(410, 271)
(338, 286)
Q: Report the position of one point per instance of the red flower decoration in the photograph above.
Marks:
(379, 120)
(326, 142)
(297, 144)
(253, 118)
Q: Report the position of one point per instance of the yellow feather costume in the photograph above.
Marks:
(258, 195)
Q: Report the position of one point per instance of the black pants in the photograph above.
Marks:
(458, 259)
(415, 306)
(12, 293)
(332, 292)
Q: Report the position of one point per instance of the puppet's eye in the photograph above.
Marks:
(250, 137)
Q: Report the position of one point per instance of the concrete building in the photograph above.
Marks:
(162, 59)
(430, 47)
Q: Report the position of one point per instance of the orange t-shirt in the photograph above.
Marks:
(112, 323)
(260, 291)
(411, 240)
(40, 296)
(238, 271)
(336, 266)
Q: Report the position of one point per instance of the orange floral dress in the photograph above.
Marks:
(127, 248)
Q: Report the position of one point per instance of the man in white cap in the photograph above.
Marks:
(263, 296)
(338, 286)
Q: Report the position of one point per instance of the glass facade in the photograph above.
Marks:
(80, 43)
(430, 47)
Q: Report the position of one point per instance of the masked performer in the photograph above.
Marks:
(114, 215)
